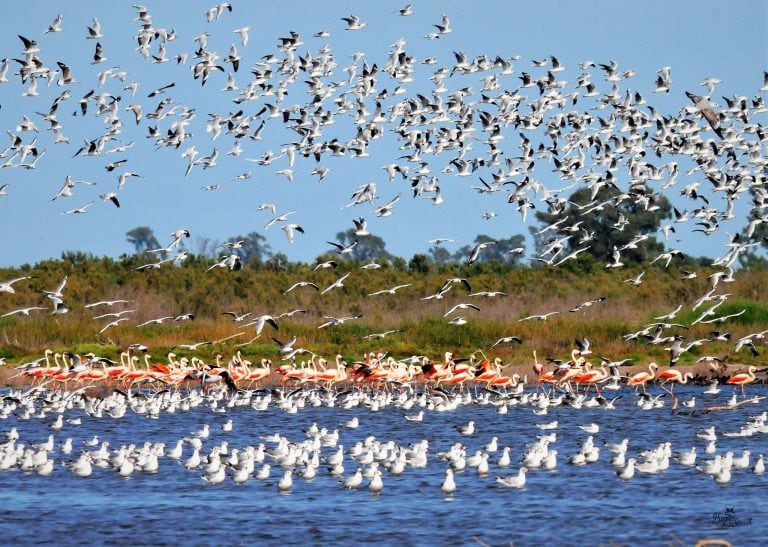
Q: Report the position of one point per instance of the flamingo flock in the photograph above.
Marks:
(376, 370)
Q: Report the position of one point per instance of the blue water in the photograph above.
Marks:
(571, 505)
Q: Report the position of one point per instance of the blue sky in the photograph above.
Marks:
(697, 40)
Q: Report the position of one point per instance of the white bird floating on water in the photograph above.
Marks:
(513, 481)
(449, 484)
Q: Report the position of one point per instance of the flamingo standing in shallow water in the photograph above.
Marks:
(641, 378)
(260, 373)
(487, 371)
(593, 378)
(674, 375)
(743, 378)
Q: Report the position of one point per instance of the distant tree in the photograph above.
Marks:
(142, 238)
(499, 251)
(399, 263)
(368, 247)
(277, 262)
(752, 261)
(419, 263)
(253, 251)
(439, 255)
(77, 257)
(604, 219)
(206, 247)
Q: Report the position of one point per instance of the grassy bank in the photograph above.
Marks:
(421, 325)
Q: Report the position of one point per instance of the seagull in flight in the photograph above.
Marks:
(475, 254)
(279, 218)
(458, 320)
(192, 347)
(507, 340)
(390, 291)
(57, 292)
(583, 346)
(285, 347)
(234, 244)
(707, 111)
(78, 211)
(179, 234)
(540, 317)
(336, 284)
(22, 311)
(386, 209)
(343, 249)
(353, 22)
(290, 313)
(489, 294)
(290, 231)
(267, 207)
(7, 286)
(439, 240)
(380, 335)
(301, 284)
(461, 306)
(110, 196)
(232, 262)
(325, 265)
(668, 256)
(237, 318)
(59, 307)
(263, 320)
(113, 314)
(445, 26)
(671, 315)
(243, 33)
(439, 295)
(361, 227)
(453, 280)
(586, 304)
(113, 323)
(55, 26)
(334, 321)
(635, 280)
(724, 318)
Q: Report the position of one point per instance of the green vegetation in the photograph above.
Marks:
(258, 288)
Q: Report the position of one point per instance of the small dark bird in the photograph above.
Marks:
(705, 107)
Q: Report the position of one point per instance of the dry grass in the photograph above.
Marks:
(173, 291)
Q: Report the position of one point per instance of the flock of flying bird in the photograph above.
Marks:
(596, 133)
